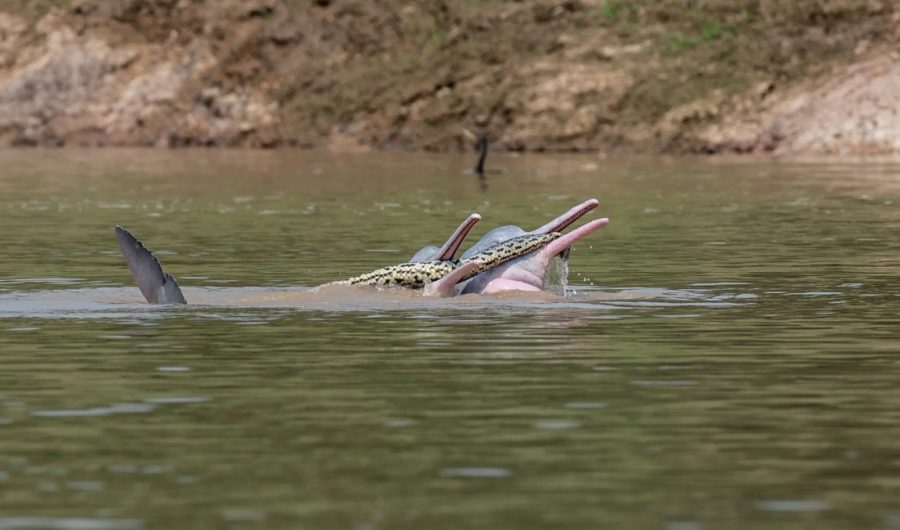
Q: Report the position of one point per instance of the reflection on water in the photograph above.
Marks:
(104, 301)
(67, 523)
(725, 356)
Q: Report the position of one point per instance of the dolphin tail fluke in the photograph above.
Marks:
(172, 291)
(157, 286)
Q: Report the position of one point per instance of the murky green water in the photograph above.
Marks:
(730, 356)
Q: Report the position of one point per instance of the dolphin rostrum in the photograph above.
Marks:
(558, 224)
(451, 247)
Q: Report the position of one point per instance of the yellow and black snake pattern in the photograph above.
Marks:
(417, 275)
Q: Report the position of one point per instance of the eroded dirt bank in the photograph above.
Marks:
(820, 76)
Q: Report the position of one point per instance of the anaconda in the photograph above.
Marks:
(417, 275)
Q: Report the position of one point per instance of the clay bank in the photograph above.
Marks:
(665, 76)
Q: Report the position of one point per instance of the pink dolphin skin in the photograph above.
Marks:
(451, 247)
(446, 286)
(527, 272)
(560, 223)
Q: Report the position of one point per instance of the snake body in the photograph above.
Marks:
(417, 275)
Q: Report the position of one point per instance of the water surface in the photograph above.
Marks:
(726, 357)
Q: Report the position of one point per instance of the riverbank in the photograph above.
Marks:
(564, 75)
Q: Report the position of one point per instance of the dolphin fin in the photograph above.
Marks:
(157, 286)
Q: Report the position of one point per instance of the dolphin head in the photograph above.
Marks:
(440, 277)
(493, 237)
(557, 264)
(527, 273)
(558, 224)
(508, 250)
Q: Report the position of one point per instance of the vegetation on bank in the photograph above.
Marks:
(391, 73)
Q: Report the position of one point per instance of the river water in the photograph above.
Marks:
(728, 355)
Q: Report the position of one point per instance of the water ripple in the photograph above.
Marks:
(116, 408)
(68, 523)
(476, 472)
(789, 505)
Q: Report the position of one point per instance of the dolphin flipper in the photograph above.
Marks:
(157, 286)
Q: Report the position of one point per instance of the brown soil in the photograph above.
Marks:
(556, 75)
